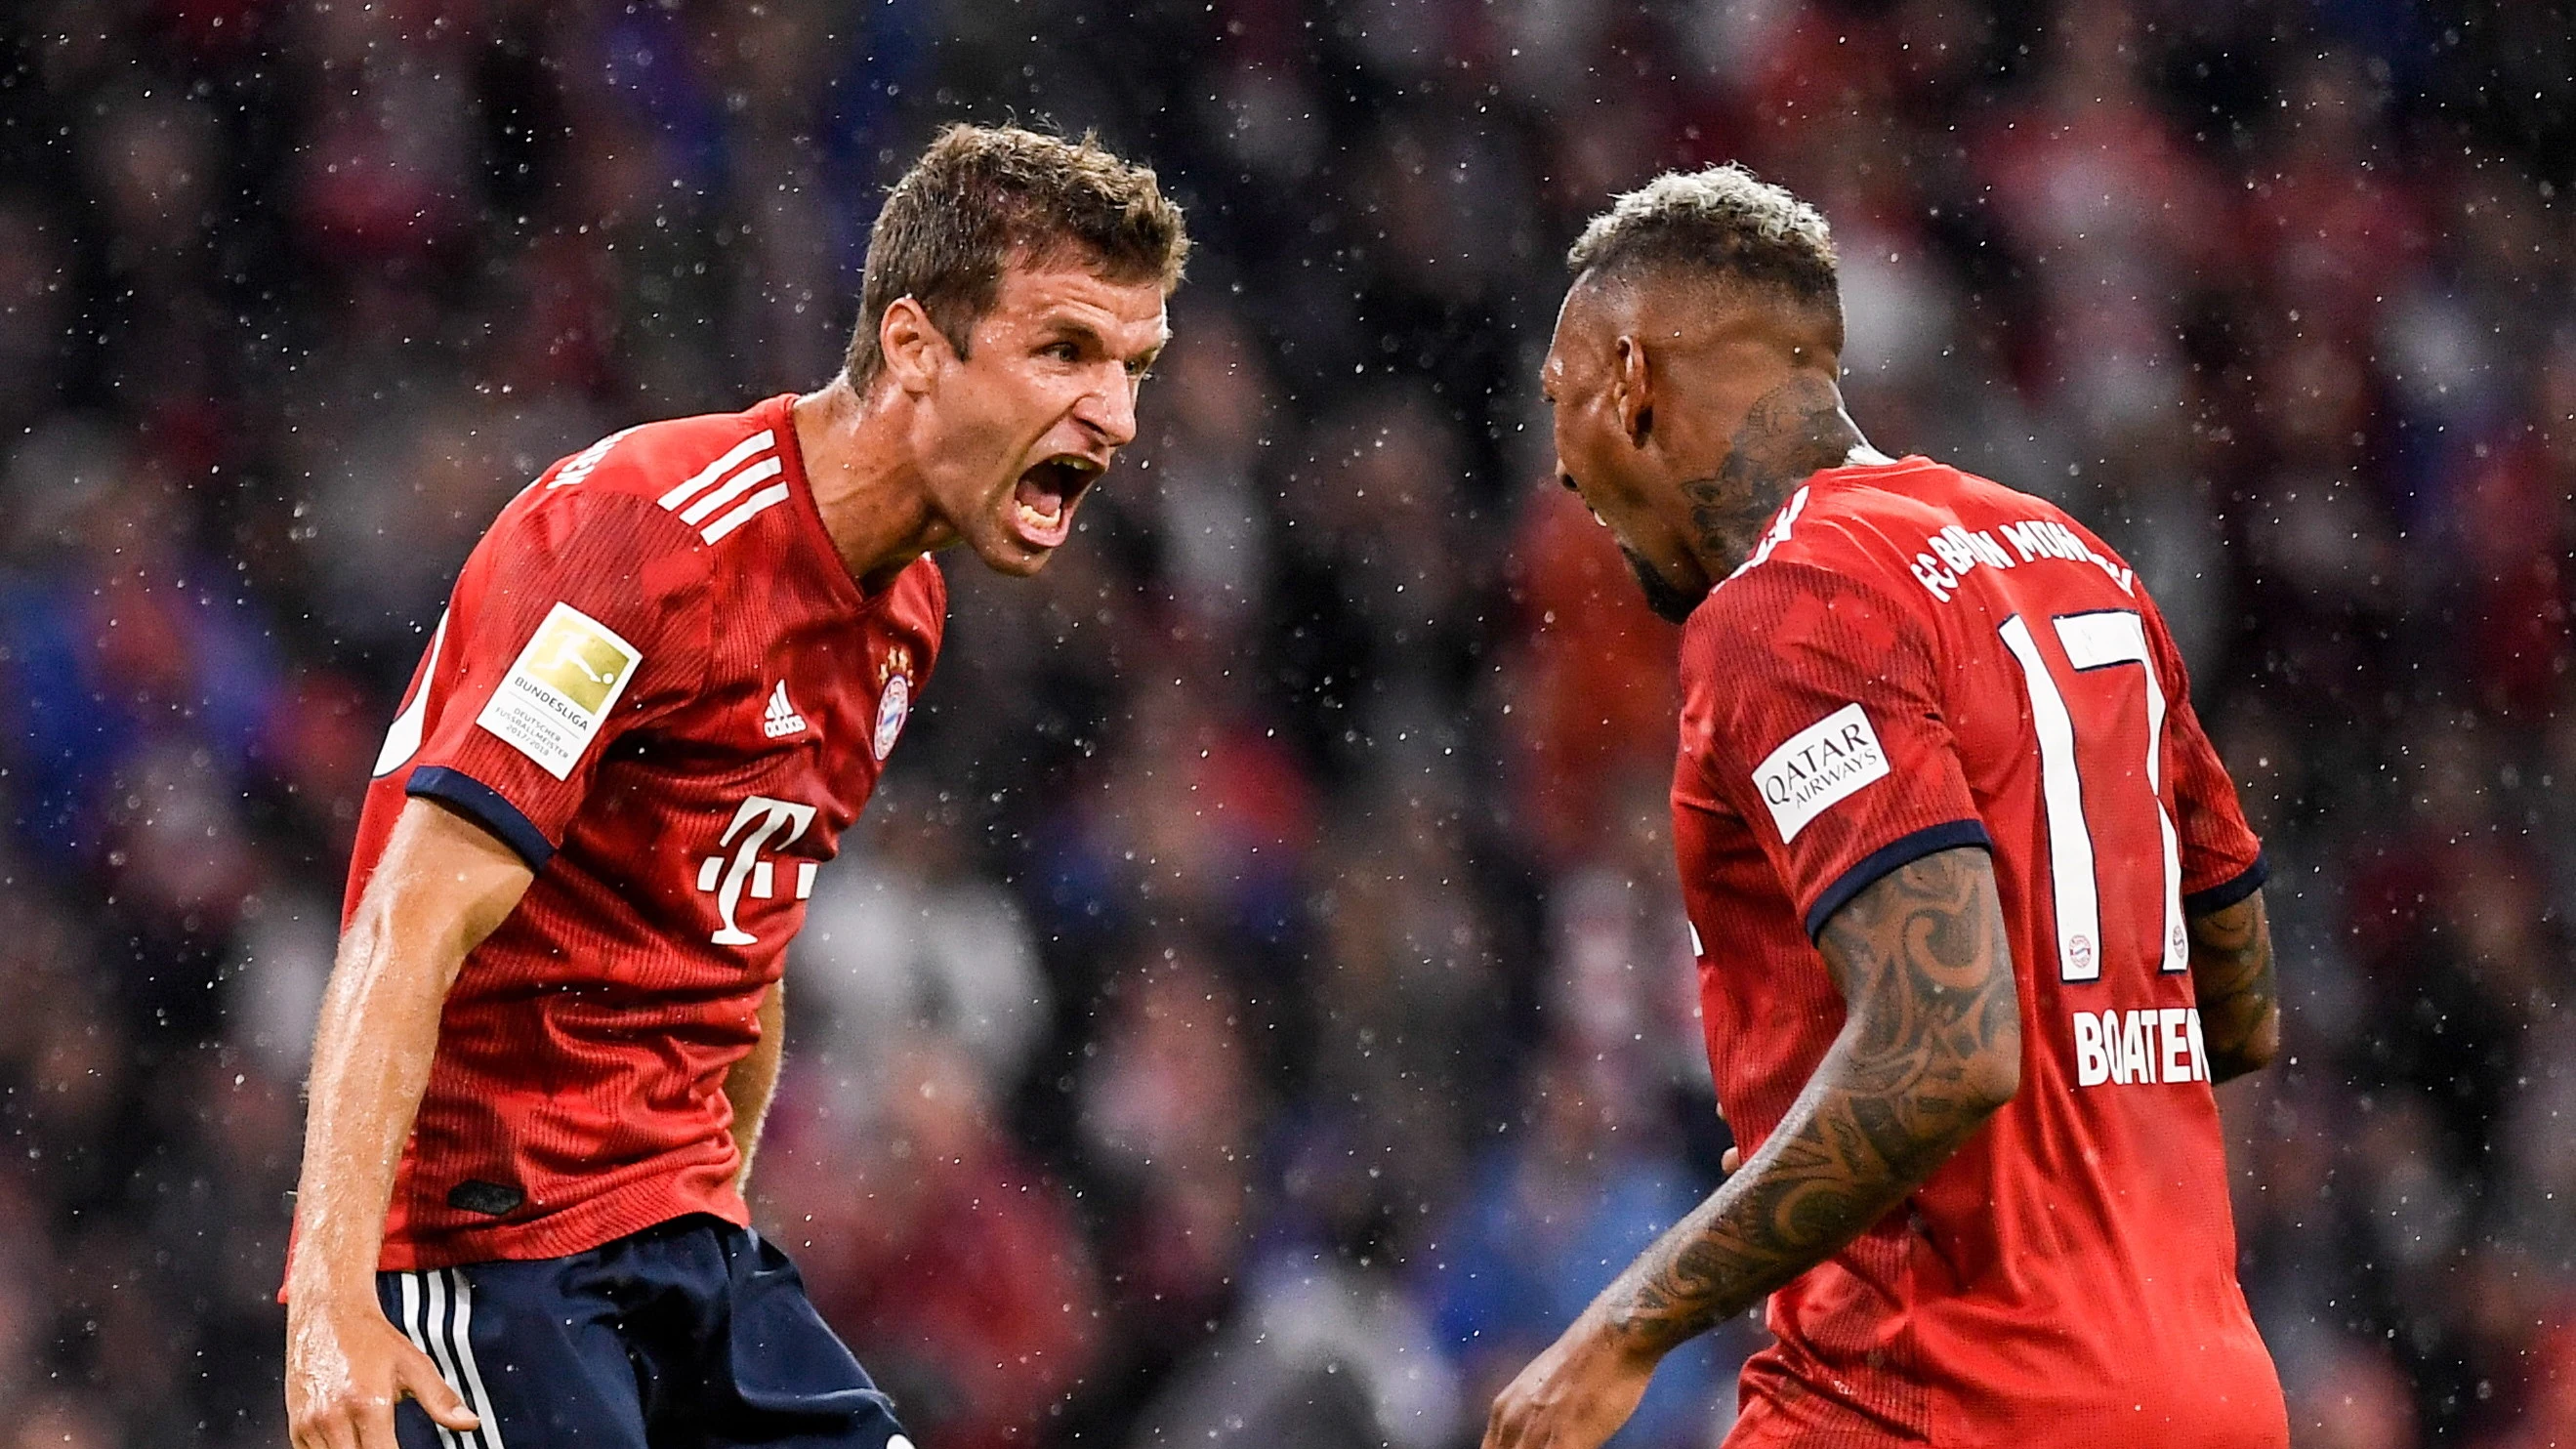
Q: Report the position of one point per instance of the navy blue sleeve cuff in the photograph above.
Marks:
(1903, 850)
(484, 806)
(2227, 893)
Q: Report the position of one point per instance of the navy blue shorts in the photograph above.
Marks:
(692, 1335)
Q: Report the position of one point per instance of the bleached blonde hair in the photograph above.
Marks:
(1723, 220)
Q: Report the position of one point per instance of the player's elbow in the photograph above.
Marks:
(1989, 1068)
(1990, 1075)
(2260, 1045)
(2264, 1042)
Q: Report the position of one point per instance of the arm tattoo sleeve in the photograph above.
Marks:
(2239, 995)
(1931, 1047)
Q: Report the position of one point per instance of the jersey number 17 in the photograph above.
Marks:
(2107, 639)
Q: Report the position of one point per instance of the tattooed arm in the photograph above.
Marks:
(1931, 1047)
(2240, 997)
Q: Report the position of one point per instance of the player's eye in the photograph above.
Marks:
(1064, 351)
(1140, 371)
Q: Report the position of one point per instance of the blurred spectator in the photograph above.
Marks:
(2360, 1403)
(1325, 1349)
(1556, 1210)
(904, 939)
(958, 1273)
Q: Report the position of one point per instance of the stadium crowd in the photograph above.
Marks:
(1260, 1007)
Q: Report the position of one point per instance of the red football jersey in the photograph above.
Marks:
(1914, 660)
(658, 683)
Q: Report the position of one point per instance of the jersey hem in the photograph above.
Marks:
(583, 1228)
(484, 806)
(2227, 893)
(1902, 851)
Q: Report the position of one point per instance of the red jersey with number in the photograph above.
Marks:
(659, 684)
(1916, 660)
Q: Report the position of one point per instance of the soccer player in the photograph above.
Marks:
(664, 685)
(1977, 916)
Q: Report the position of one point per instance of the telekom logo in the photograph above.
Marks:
(762, 824)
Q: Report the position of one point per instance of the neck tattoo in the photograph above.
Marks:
(1791, 432)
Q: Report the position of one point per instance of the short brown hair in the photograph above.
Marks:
(1722, 220)
(984, 196)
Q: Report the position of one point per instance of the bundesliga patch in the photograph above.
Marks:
(557, 696)
(1817, 766)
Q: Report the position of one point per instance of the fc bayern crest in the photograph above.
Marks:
(894, 699)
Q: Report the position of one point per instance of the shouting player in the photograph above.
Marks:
(664, 685)
(1977, 916)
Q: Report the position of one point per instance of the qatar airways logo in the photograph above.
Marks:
(1817, 766)
(761, 825)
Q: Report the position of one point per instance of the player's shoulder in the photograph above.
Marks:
(1830, 537)
(1829, 571)
(1871, 528)
(1790, 617)
(656, 459)
(1879, 513)
(1902, 504)
(663, 485)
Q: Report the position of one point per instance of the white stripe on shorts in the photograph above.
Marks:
(415, 1327)
(461, 1344)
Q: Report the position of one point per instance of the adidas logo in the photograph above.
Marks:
(781, 718)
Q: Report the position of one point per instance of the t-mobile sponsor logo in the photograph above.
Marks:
(762, 824)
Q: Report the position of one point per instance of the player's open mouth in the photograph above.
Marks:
(1042, 504)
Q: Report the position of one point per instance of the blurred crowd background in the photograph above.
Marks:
(1257, 1008)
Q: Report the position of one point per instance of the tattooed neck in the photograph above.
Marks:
(1789, 433)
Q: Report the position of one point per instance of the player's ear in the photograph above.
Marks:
(1632, 390)
(913, 346)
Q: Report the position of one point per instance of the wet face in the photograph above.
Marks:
(1600, 457)
(1022, 425)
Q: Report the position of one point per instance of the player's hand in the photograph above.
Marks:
(346, 1367)
(1573, 1396)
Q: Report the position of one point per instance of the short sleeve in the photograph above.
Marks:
(1816, 700)
(2222, 861)
(577, 621)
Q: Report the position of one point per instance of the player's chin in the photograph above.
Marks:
(1670, 601)
(1020, 548)
(1016, 563)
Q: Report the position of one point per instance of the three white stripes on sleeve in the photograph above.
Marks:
(438, 1316)
(703, 494)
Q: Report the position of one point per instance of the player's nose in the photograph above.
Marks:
(1110, 412)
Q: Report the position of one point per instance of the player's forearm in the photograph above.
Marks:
(440, 888)
(754, 1079)
(371, 1060)
(1818, 1183)
(2237, 990)
(1931, 1049)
